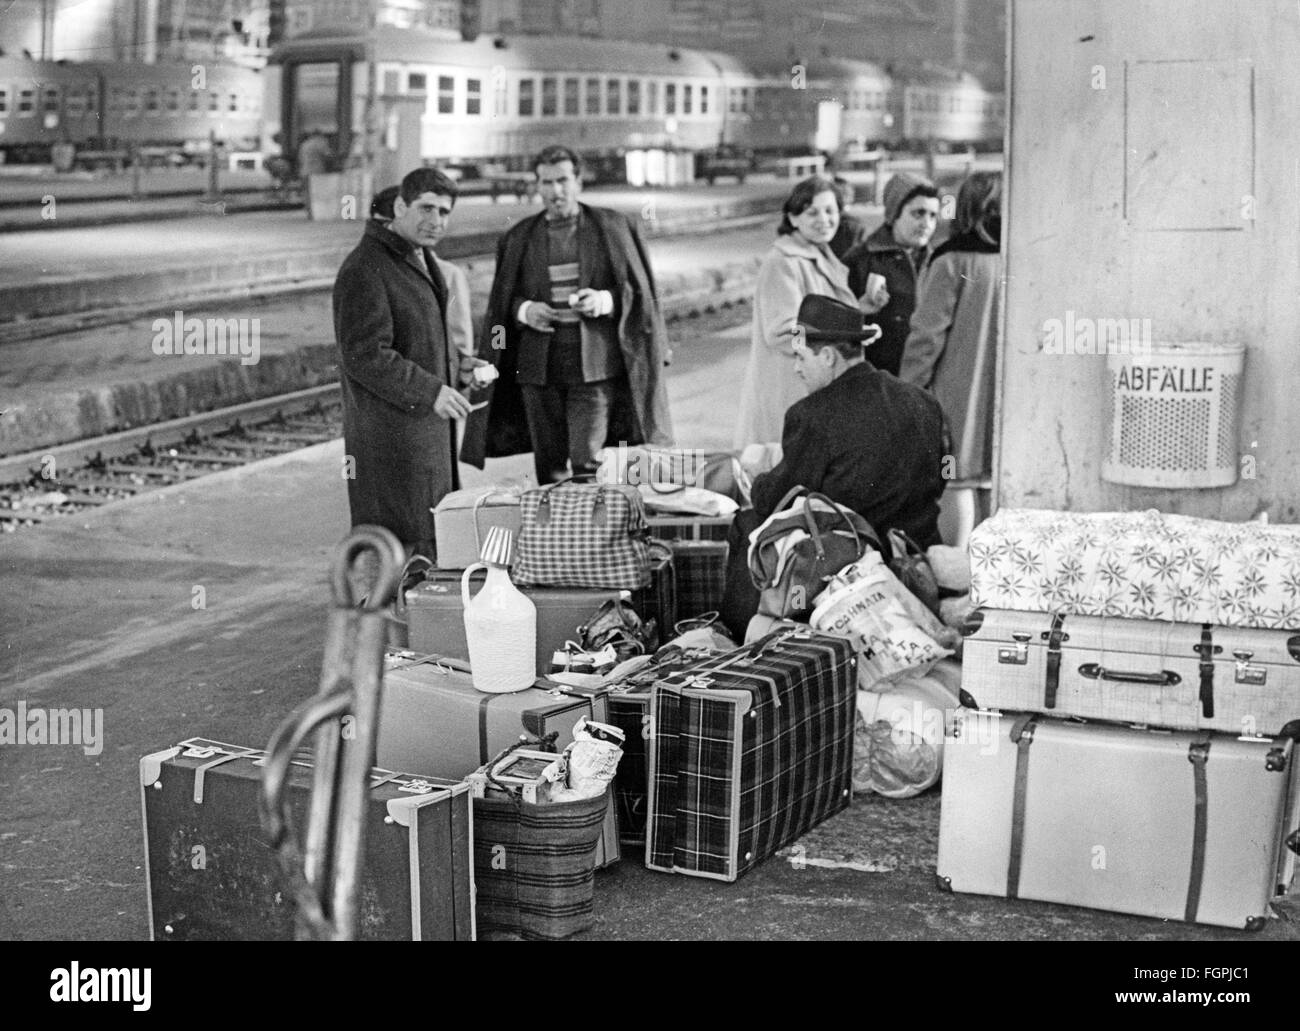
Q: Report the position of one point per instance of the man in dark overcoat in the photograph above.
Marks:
(574, 326)
(399, 394)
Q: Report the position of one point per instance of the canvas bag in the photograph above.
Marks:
(583, 535)
(717, 471)
(800, 546)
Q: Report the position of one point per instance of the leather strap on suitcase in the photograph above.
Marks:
(1054, 638)
(1022, 735)
(1198, 755)
(1207, 648)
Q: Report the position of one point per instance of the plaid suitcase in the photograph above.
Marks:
(629, 710)
(701, 577)
(660, 599)
(1184, 676)
(689, 528)
(1179, 825)
(748, 751)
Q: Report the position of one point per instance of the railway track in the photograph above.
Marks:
(88, 474)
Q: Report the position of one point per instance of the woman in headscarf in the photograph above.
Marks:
(883, 271)
(952, 347)
(798, 264)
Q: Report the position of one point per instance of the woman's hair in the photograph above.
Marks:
(801, 198)
(979, 205)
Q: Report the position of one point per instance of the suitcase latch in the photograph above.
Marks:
(1246, 672)
(1017, 656)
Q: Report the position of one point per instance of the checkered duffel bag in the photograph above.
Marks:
(583, 535)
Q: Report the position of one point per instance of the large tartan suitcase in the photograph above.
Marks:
(212, 877)
(1179, 825)
(1185, 676)
(748, 751)
(432, 721)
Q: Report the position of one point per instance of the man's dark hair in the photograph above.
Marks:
(381, 205)
(801, 198)
(428, 180)
(845, 189)
(848, 349)
(554, 154)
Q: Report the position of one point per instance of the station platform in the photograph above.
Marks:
(99, 612)
(99, 380)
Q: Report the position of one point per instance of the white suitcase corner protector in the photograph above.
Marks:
(151, 765)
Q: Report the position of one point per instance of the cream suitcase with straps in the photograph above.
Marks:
(1191, 826)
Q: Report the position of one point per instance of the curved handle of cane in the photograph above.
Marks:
(285, 742)
(392, 560)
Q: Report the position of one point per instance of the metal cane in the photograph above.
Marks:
(344, 715)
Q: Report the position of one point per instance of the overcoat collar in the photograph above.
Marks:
(795, 246)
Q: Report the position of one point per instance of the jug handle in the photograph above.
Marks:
(464, 582)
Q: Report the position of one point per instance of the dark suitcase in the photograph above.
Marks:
(629, 710)
(689, 528)
(211, 876)
(436, 615)
(1180, 825)
(432, 721)
(701, 568)
(749, 750)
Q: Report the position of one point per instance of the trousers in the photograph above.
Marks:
(568, 424)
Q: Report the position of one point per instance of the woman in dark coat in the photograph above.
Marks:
(898, 251)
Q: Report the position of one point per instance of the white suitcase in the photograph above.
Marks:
(1183, 826)
(1185, 676)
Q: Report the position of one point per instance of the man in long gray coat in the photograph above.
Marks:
(399, 393)
(574, 326)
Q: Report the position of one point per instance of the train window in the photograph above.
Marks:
(417, 82)
(526, 91)
(704, 100)
(614, 96)
(132, 103)
(473, 96)
(4, 100)
(173, 100)
(51, 100)
(572, 102)
(194, 100)
(687, 98)
(447, 95)
(234, 102)
(550, 97)
(151, 100)
(634, 96)
(76, 102)
(214, 102)
(670, 98)
(593, 97)
(652, 98)
(26, 101)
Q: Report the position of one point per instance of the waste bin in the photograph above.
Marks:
(1173, 414)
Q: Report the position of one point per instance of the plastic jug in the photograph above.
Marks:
(500, 622)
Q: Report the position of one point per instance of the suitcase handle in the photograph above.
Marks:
(1095, 671)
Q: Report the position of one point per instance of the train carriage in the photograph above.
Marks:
(500, 100)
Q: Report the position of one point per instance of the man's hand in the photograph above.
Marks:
(540, 316)
(451, 404)
(593, 303)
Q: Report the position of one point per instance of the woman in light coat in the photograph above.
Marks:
(953, 343)
(799, 263)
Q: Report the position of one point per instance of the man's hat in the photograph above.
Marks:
(824, 319)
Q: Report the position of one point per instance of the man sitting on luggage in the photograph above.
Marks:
(861, 437)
